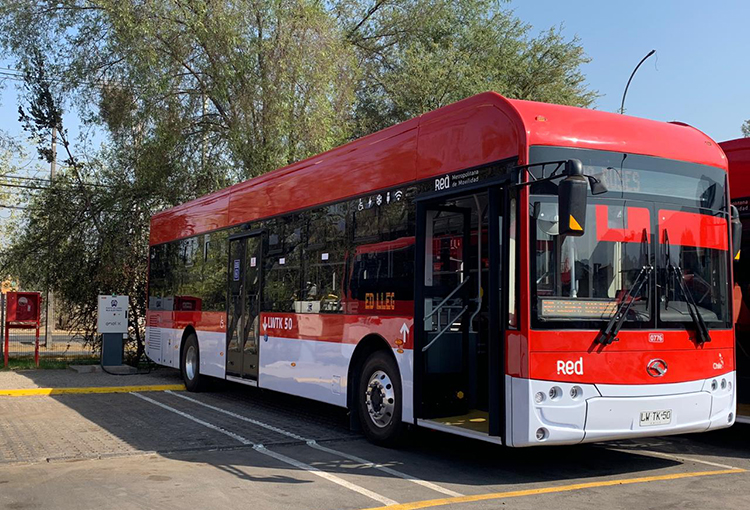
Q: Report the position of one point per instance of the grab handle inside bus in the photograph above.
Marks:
(736, 231)
(572, 198)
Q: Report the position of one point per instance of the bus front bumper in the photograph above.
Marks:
(548, 412)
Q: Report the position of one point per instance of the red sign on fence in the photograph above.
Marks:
(24, 311)
(24, 307)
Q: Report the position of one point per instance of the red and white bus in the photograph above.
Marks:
(451, 272)
(738, 155)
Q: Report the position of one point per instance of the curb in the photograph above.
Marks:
(29, 392)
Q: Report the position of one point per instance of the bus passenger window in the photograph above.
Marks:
(324, 261)
(281, 284)
(382, 259)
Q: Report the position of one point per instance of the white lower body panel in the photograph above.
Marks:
(163, 348)
(609, 412)
(319, 370)
(308, 368)
(405, 360)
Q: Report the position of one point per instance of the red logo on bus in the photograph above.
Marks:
(656, 367)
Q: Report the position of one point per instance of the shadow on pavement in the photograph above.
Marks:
(126, 424)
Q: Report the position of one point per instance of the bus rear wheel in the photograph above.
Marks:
(379, 400)
(190, 363)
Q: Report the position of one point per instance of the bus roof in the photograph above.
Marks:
(478, 130)
(738, 155)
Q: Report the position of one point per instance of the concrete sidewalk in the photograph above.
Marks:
(28, 379)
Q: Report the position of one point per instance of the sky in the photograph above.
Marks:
(699, 74)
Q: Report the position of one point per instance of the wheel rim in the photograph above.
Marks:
(380, 399)
(191, 362)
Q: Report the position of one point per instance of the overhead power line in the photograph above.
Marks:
(7, 73)
(40, 179)
(26, 186)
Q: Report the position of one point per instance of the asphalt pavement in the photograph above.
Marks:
(146, 447)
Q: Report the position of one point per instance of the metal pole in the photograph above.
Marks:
(53, 163)
(2, 324)
(5, 330)
(622, 105)
(48, 296)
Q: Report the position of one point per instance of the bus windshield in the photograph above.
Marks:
(682, 235)
(582, 278)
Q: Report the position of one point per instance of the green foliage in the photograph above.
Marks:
(194, 95)
(746, 128)
(46, 363)
(420, 55)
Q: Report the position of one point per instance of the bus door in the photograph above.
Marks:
(453, 338)
(244, 305)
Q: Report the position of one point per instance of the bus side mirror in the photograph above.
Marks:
(736, 231)
(597, 186)
(571, 199)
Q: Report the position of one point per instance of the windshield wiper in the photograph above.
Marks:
(675, 271)
(609, 333)
(701, 329)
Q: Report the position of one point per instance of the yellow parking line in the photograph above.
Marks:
(94, 389)
(549, 490)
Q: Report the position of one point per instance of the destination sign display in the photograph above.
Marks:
(578, 308)
(702, 190)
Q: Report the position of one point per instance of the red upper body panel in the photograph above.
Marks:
(476, 131)
(738, 155)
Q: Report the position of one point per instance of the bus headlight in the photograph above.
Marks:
(575, 392)
(541, 434)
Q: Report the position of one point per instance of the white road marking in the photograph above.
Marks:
(278, 456)
(313, 444)
(678, 458)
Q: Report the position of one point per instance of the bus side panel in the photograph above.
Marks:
(161, 343)
(164, 338)
(405, 360)
(213, 361)
(153, 343)
(307, 368)
(309, 354)
(163, 348)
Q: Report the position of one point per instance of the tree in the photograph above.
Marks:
(191, 99)
(420, 55)
(746, 128)
(11, 153)
(85, 233)
(193, 95)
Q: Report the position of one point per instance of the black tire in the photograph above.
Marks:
(383, 426)
(190, 362)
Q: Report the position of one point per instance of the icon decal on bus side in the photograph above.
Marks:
(570, 367)
(720, 364)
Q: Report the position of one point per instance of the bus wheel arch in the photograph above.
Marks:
(374, 354)
(190, 361)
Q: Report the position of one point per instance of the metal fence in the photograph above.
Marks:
(55, 343)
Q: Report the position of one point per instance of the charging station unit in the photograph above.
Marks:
(112, 324)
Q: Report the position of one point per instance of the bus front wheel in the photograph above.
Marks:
(190, 365)
(379, 400)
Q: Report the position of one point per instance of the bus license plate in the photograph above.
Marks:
(649, 418)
